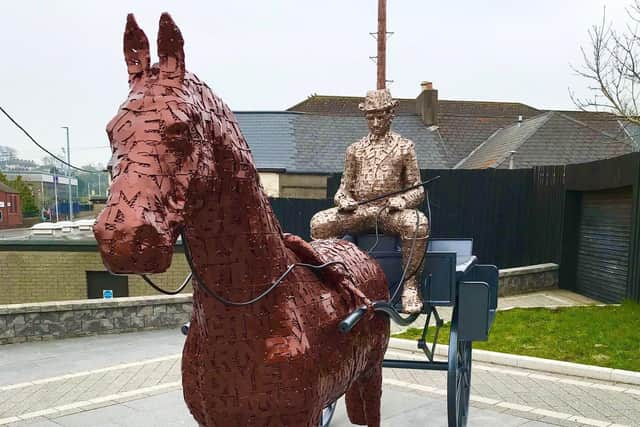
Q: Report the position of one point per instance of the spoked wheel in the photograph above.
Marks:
(458, 377)
(327, 414)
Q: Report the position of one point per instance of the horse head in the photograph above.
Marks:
(160, 155)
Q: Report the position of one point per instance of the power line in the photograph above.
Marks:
(41, 147)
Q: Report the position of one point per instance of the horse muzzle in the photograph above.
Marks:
(134, 246)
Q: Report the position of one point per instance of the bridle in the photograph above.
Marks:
(201, 284)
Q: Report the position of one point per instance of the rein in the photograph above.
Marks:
(194, 274)
(290, 268)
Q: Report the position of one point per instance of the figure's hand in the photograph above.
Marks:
(347, 205)
(396, 204)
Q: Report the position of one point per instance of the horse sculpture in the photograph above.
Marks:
(252, 357)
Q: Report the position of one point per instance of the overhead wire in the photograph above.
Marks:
(41, 147)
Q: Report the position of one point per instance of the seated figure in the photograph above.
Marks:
(380, 163)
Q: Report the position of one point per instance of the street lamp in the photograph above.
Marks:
(69, 174)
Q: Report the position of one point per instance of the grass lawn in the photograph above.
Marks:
(603, 336)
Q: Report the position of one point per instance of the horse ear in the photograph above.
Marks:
(170, 49)
(136, 49)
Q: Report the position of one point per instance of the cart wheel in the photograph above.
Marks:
(327, 414)
(458, 377)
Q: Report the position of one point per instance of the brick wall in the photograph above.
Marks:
(56, 320)
(36, 271)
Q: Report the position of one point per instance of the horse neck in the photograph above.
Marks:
(236, 240)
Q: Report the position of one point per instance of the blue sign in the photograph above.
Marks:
(107, 293)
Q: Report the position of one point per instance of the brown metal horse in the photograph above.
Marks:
(181, 165)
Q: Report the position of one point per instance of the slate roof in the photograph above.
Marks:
(270, 136)
(462, 124)
(465, 125)
(316, 143)
(551, 138)
(6, 189)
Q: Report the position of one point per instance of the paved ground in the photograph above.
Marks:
(134, 380)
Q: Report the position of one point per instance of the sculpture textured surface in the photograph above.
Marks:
(181, 165)
(382, 162)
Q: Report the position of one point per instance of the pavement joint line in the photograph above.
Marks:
(589, 421)
(552, 414)
(36, 414)
(512, 406)
(533, 363)
(84, 403)
(91, 372)
(509, 405)
(414, 355)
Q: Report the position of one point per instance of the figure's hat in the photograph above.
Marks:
(377, 100)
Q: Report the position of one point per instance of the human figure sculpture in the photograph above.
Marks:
(255, 355)
(380, 163)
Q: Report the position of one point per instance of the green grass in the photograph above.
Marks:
(604, 336)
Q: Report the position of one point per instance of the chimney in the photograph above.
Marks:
(427, 104)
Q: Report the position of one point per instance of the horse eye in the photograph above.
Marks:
(177, 130)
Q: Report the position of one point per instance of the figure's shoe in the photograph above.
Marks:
(411, 299)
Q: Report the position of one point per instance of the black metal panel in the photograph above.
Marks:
(604, 237)
(474, 301)
(98, 281)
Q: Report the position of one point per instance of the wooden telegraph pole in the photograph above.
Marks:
(382, 44)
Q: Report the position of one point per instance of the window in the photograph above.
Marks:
(13, 203)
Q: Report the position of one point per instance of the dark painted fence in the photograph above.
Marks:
(514, 216)
(294, 214)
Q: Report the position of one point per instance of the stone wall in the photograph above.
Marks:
(56, 320)
(56, 270)
(531, 278)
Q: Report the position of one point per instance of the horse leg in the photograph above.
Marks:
(363, 398)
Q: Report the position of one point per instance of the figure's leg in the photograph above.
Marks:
(363, 398)
(413, 228)
(331, 223)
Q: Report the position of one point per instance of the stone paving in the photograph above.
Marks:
(134, 380)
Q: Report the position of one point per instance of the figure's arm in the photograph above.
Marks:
(414, 197)
(343, 198)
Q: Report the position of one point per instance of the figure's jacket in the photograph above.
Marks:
(372, 169)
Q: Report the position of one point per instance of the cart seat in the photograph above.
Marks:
(461, 247)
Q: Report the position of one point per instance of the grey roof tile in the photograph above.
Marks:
(311, 143)
(549, 139)
(6, 189)
(270, 136)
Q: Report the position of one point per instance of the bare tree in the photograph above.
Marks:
(612, 65)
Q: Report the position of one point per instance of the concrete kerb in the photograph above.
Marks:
(528, 362)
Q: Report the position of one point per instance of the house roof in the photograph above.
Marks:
(551, 138)
(6, 189)
(462, 124)
(270, 136)
(316, 143)
(465, 125)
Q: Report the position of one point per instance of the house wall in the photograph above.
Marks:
(303, 186)
(11, 215)
(271, 183)
(57, 271)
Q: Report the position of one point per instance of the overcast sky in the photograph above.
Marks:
(62, 62)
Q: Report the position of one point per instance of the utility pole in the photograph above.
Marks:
(382, 44)
(69, 175)
(55, 192)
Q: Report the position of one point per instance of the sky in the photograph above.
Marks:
(63, 63)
